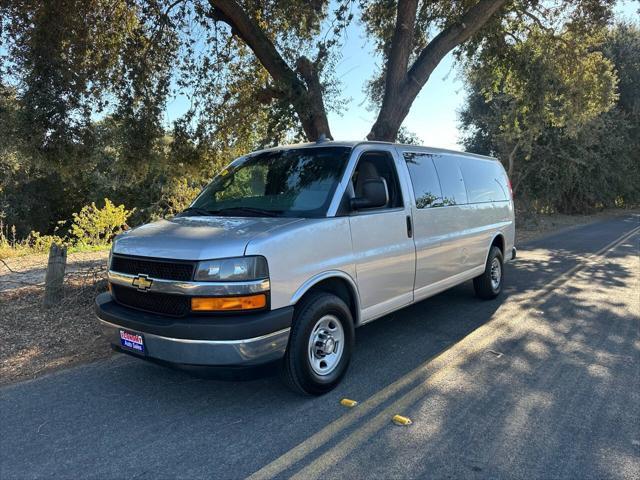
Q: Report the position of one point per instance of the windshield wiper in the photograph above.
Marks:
(197, 211)
(262, 212)
(229, 211)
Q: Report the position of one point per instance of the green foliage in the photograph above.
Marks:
(92, 228)
(84, 87)
(595, 169)
(38, 243)
(175, 197)
(95, 226)
(540, 82)
(83, 90)
(565, 127)
(408, 137)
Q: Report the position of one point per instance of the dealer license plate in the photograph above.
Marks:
(132, 341)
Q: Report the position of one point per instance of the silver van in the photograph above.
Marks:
(289, 249)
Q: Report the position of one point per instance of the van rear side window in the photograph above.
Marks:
(484, 180)
(424, 179)
(451, 180)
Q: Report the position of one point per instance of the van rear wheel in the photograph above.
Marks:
(320, 344)
(489, 284)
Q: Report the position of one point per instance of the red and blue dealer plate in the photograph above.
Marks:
(132, 341)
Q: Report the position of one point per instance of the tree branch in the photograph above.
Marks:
(537, 21)
(269, 93)
(398, 59)
(306, 99)
(472, 21)
(231, 13)
(395, 107)
(512, 158)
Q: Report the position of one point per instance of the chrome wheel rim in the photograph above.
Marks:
(326, 345)
(496, 274)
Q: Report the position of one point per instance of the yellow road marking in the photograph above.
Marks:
(428, 372)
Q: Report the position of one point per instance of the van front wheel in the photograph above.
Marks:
(489, 284)
(320, 344)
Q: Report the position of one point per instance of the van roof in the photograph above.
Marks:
(352, 144)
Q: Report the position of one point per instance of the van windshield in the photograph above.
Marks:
(288, 183)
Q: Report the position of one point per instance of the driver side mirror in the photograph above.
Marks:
(374, 195)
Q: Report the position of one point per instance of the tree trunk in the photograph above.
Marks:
(54, 278)
(302, 86)
(512, 159)
(305, 96)
(310, 104)
(402, 86)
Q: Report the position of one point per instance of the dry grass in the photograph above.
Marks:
(29, 270)
(22, 249)
(37, 340)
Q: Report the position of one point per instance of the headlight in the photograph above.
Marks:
(232, 269)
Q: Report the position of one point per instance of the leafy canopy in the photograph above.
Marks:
(559, 118)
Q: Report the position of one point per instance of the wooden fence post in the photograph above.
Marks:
(54, 278)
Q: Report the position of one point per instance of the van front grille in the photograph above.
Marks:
(162, 269)
(162, 303)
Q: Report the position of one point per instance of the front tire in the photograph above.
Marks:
(320, 344)
(489, 285)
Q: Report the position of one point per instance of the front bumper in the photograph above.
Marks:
(232, 340)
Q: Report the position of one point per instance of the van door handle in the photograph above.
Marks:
(409, 227)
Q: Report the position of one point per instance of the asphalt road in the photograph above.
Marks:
(543, 382)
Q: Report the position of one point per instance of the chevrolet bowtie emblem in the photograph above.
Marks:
(142, 283)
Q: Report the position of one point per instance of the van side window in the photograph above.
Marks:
(424, 179)
(451, 181)
(484, 180)
(375, 165)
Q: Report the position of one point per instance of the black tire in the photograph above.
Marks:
(297, 371)
(483, 285)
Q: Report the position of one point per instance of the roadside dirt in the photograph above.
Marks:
(29, 270)
(34, 341)
(532, 227)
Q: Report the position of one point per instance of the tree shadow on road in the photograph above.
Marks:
(561, 400)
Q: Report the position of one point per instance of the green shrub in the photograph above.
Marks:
(176, 195)
(95, 226)
(42, 243)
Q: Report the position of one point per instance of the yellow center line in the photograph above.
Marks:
(428, 372)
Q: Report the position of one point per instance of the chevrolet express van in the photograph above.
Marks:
(288, 250)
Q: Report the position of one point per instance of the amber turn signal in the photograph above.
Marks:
(222, 304)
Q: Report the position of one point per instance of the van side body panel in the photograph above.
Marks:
(385, 261)
(432, 229)
(308, 249)
(451, 244)
(453, 236)
(384, 253)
